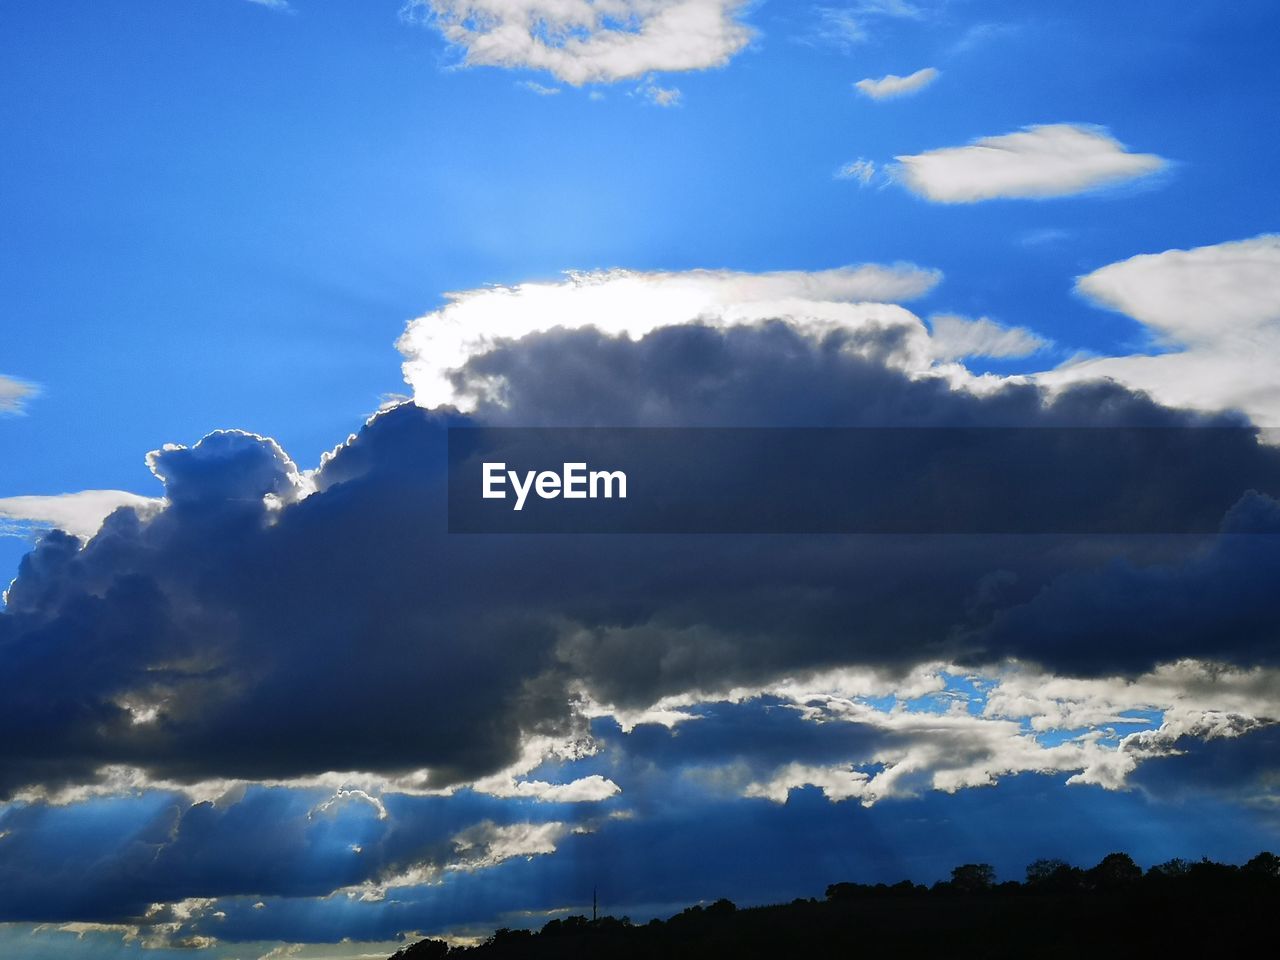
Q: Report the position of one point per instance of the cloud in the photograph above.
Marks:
(887, 8)
(1214, 315)
(589, 41)
(661, 96)
(846, 26)
(893, 85)
(283, 6)
(942, 731)
(1241, 770)
(14, 394)
(538, 88)
(80, 514)
(488, 843)
(302, 669)
(856, 735)
(955, 338)
(473, 663)
(1134, 614)
(239, 620)
(1043, 237)
(635, 303)
(981, 34)
(1055, 160)
(860, 170)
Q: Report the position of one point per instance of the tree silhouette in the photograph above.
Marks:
(1186, 908)
(1265, 866)
(1115, 872)
(973, 877)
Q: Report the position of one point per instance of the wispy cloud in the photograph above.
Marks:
(860, 170)
(80, 514)
(955, 338)
(661, 96)
(846, 26)
(540, 89)
(1055, 160)
(982, 33)
(1043, 236)
(283, 6)
(14, 394)
(895, 86)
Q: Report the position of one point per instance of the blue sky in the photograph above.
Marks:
(225, 214)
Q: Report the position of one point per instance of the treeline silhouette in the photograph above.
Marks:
(1178, 908)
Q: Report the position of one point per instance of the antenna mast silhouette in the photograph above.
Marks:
(593, 904)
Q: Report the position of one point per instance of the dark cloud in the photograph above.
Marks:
(699, 846)
(769, 375)
(1242, 770)
(236, 637)
(1221, 603)
(110, 860)
(685, 838)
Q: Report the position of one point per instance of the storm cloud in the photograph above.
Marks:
(272, 624)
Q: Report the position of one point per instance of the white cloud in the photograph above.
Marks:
(538, 88)
(80, 514)
(958, 748)
(661, 96)
(351, 786)
(895, 86)
(634, 303)
(955, 338)
(14, 394)
(1215, 309)
(589, 41)
(1187, 693)
(282, 5)
(860, 170)
(480, 846)
(488, 844)
(1054, 160)
(345, 797)
(930, 751)
(845, 25)
(590, 789)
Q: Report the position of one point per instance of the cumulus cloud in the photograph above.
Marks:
(589, 41)
(238, 621)
(1053, 160)
(311, 648)
(634, 303)
(892, 85)
(80, 514)
(955, 337)
(1214, 316)
(1134, 614)
(14, 394)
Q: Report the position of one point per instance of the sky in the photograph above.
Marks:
(259, 256)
